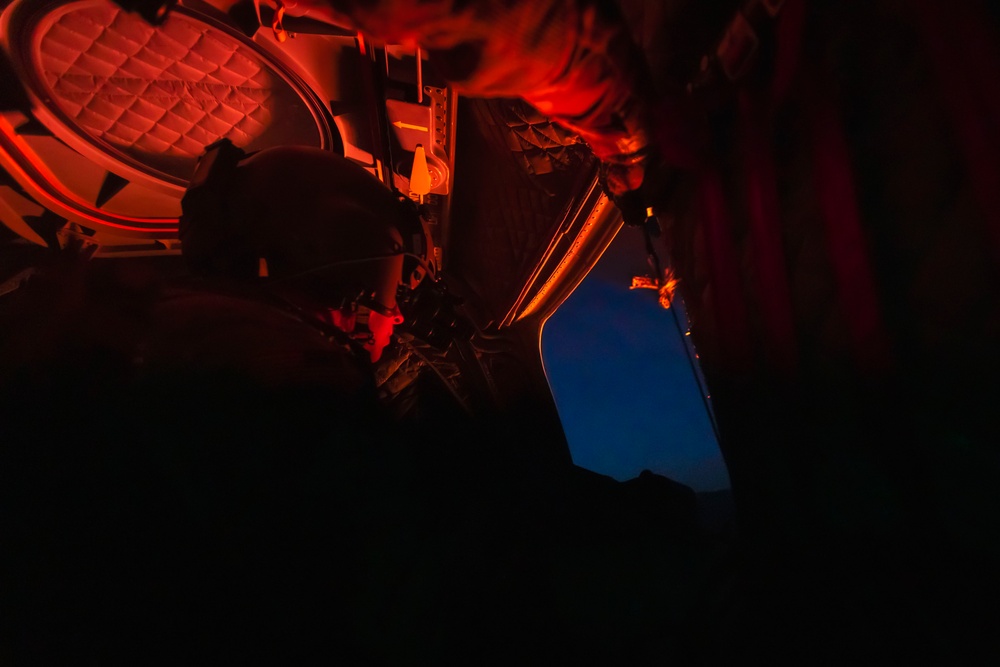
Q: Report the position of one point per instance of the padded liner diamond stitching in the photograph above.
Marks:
(168, 91)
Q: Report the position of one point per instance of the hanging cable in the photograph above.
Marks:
(650, 230)
(437, 371)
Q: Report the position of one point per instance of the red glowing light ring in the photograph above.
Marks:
(34, 176)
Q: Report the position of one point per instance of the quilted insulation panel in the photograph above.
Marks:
(162, 94)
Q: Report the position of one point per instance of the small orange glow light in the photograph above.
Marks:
(665, 288)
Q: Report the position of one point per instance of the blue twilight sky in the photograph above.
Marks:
(624, 388)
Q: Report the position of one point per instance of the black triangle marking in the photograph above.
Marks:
(112, 185)
(32, 128)
(46, 225)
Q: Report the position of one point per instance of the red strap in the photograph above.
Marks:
(789, 32)
(727, 295)
(766, 240)
(966, 61)
(846, 240)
